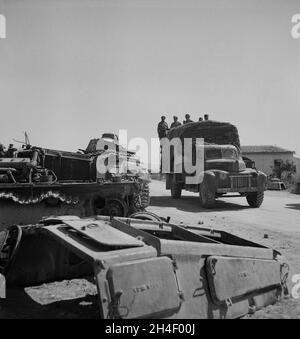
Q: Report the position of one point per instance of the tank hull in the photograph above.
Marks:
(27, 204)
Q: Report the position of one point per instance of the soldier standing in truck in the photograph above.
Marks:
(175, 123)
(187, 119)
(162, 128)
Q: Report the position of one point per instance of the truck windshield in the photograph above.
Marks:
(221, 153)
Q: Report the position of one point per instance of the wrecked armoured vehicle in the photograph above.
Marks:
(224, 170)
(42, 182)
(146, 269)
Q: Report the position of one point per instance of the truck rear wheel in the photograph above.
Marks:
(176, 190)
(255, 199)
(207, 196)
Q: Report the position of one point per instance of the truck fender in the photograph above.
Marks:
(261, 180)
(211, 180)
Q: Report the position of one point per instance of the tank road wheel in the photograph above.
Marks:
(114, 208)
(135, 204)
(255, 199)
(176, 190)
(145, 196)
(207, 196)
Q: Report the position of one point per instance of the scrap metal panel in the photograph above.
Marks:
(236, 277)
(101, 232)
(144, 289)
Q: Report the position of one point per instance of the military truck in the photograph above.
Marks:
(224, 170)
(42, 182)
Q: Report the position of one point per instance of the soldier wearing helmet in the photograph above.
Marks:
(187, 119)
(176, 123)
(162, 128)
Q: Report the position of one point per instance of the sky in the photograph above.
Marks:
(71, 70)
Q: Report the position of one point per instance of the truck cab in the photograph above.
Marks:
(224, 172)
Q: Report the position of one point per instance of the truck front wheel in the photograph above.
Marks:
(207, 196)
(255, 199)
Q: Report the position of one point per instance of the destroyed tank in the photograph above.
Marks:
(145, 269)
(37, 182)
(110, 143)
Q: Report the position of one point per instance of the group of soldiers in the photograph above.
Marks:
(163, 127)
(9, 153)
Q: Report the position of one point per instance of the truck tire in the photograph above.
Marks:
(255, 199)
(145, 196)
(207, 196)
(176, 190)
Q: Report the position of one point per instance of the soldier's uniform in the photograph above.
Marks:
(175, 123)
(10, 151)
(162, 129)
(187, 119)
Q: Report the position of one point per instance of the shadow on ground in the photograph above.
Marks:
(192, 204)
(19, 305)
(293, 206)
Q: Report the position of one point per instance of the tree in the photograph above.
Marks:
(287, 167)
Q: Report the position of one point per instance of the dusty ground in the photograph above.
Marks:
(276, 224)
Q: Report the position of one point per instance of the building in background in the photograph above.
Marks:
(297, 162)
(267, 157)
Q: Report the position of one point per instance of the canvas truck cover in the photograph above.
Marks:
(213, 132)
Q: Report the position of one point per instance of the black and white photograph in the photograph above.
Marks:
(149, 162)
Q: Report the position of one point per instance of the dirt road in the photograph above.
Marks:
(275, 224)
(279, 212)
